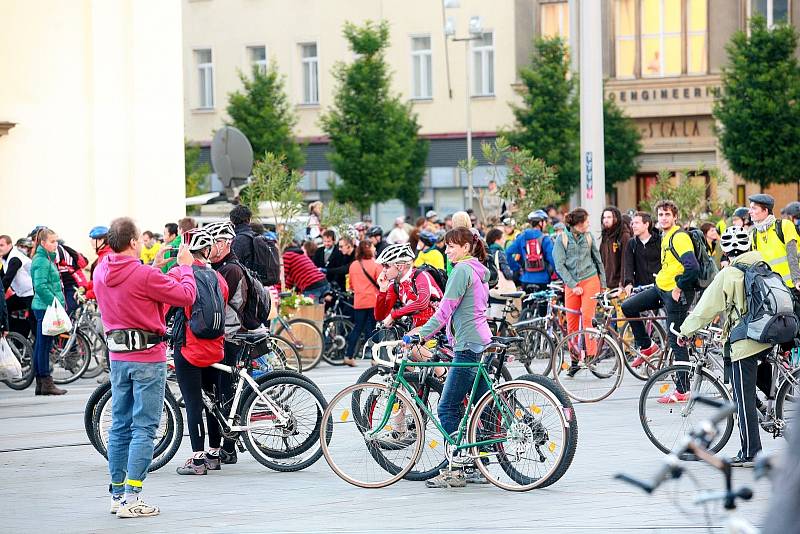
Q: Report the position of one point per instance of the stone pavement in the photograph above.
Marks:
(54, 481)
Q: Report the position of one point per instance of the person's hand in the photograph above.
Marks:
(388, 321)
(159, 261)
(383, 282)
(682, 340)
(628, 290)
(676, 294)
(577, 290)
(184, 256)
(412, 339)
(323, 270)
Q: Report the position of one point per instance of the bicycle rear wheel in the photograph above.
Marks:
(536, 352)
(306, 337)
(666, 424)
(648, 364)
(97, 362)
(23, 351)
(535, 421)
(281, 355)
(335, 331)
(588, 365)
(787, 404)
(68, 366)
(361, 451)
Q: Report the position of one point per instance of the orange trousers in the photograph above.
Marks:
(584, 303)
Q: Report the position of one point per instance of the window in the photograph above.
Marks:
(205, 78)
(421, 67)
(661, 38)
(555, 20)
(483, 65)
(625, 38)
(775, 11)
(696, 36)
(310, 73)
(258, 57)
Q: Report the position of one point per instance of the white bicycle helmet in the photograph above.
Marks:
(198, 239)
(399, 253)
(735, 239)
(220, 230)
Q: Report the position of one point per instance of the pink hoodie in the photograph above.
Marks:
(132, 295)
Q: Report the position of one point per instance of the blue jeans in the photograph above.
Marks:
(457, 386)
(137, 400)
(364, 325)
(318, 292)
(41, 350)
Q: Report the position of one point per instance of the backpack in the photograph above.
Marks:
(439, 277)
(494, 277)
(778, 232)
(258, 305)
(207, 318)
(770, 316)
(265, 260)
(708, 269)
(534, 255)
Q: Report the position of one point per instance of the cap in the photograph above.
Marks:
(763, 199)
(792, 209)
(431, 214)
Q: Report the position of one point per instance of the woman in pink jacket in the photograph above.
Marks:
(363, 281)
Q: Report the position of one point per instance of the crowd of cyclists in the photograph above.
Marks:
(214, 281)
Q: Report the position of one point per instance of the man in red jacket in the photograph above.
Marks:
(133, 301)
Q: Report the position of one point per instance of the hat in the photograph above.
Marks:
(559, 226)
(508, 221)
(431, 214)
(24, 242)
(765, 200)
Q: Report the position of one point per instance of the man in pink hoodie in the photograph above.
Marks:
(133, 300)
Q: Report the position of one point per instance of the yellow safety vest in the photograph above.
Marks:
(774, 250)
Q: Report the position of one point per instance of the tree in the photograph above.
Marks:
(375, 147)
(195, 173)
(758, 109)
(546, 124)
(688, 193)
(622, 145)
(263, 113)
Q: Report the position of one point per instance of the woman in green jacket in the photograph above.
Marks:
(46, 287)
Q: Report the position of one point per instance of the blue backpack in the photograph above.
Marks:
(207, 319)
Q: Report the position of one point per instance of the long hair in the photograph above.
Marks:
(365, 250)
(464, 236)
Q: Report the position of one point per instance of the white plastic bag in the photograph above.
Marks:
(10, 368)
(56, 321)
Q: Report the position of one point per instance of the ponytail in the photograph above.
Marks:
(468, 236)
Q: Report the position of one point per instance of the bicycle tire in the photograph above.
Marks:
(82, 347)
(310, 354)
(646, 370)
(88, 414)
(282, 355)
(526, 414)
(23, 350)
(787, 397)
(575, 387)
(655, 387)
(269, 457)
(538, 349)
(96, 363)
(335, 331)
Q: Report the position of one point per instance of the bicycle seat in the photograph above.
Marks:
(507, 340)
(510, 295)
(250, 337)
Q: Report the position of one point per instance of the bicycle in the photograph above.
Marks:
(336, 327)
(304, 335)
(22, 349)
(666, 424)
(381, 429)
(275, 416)
(698, 443)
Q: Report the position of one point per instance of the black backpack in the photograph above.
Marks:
(770, 316)
(258, 304)
(493, 276)
(439, 277)
(207, 319)
(265, 261)
(708, 268)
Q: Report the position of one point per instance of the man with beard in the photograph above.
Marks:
(615, 237)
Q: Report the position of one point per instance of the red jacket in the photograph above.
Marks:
(203, 352)
(419, 305)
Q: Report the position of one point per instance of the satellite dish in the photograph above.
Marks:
(231, 156)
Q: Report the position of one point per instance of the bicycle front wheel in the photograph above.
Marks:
(535, 435)
(537, 349)
(66, 366)
(23, 351)
(666, 422)
(335, 331)
(306, 337)
(588, 365)
(363, 450)
(787, 404)
(646, 365)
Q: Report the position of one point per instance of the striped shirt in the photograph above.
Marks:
(299, 270)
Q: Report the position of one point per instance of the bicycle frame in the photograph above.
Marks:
(481, 375)
(282, 418)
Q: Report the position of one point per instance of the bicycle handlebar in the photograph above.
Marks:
(743, 493)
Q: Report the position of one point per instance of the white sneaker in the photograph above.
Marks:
(115, 502)
(137, 508)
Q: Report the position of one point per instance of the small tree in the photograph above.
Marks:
(546, 124)
(338, 217)
(375, 147)
(263, 113)
(622, 145)
(687, 192)
(759, 107)
(274, 183)
(195, 172)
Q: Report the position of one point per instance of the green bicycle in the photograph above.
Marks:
(520, 434)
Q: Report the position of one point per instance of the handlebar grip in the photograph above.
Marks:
(710, 402)
(723, 413)
(634, 482)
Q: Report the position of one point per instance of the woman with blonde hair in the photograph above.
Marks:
(314, 228)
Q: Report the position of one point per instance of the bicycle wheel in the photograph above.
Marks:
(536, 353)
(335, 331)
(536, 423)
(280, 354)
(787, 404)
(68, 366)
(649, 364)
(88, 415)
(306, 337)
(349, 443)
(290, 445)
(23, 351)
(97, 360)
(168, 435)
(666, 424)
(593, 360)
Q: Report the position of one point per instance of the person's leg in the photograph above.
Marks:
(41, 349)
(119, 435)
(69, 299)
(360, 317)
(649, 299)
(457, 385)
(148, 381)
(573, 302)
(744, 391)
(676, 314)
(591, 286)
(190, 383)
(225, 394)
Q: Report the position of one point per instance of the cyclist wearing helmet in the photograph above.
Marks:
(740, 218)
(398, 281)
(194, 356)
(99, 237)
(375, 234)
(531, 254)
(428, 253)
(726, 293)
